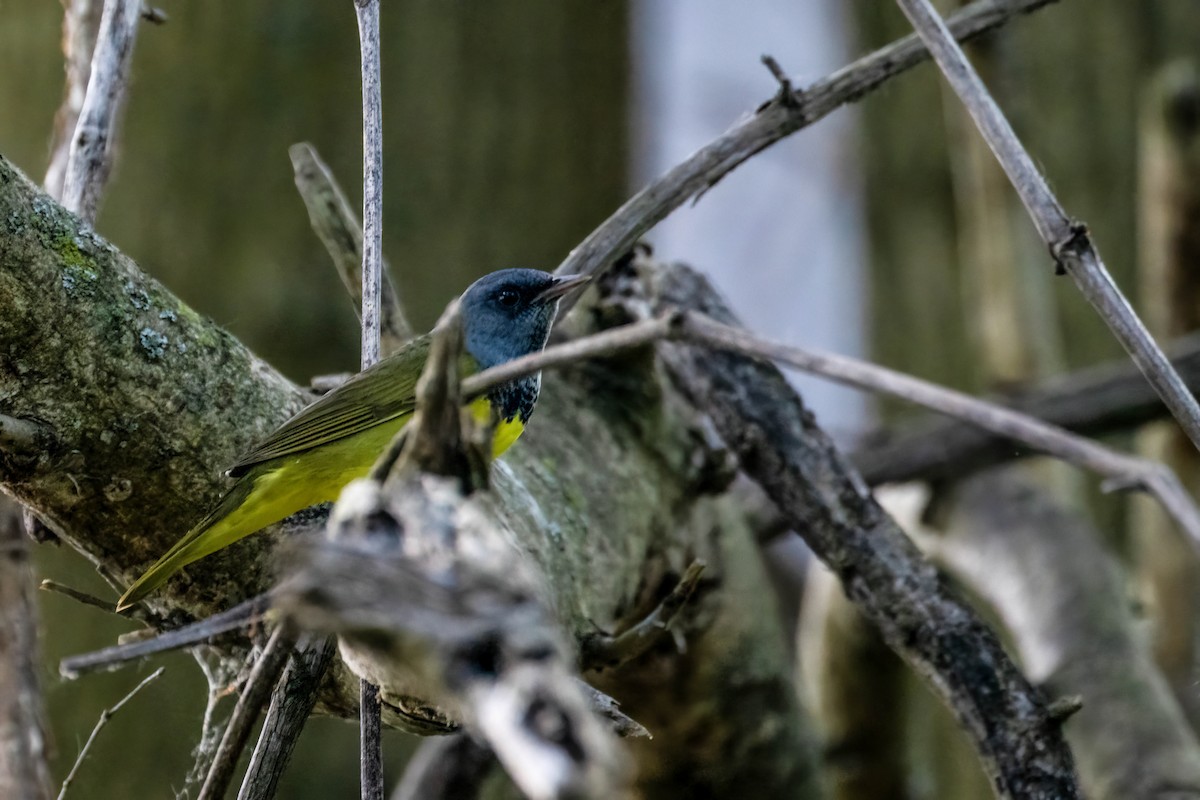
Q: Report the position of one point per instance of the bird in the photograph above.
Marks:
(311, 457)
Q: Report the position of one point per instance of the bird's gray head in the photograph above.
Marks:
(508, 314)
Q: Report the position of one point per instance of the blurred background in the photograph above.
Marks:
(511, 130)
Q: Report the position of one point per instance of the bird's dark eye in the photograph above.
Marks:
(509, 299)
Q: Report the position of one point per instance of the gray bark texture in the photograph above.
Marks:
(1063, 600)
(23, 742)
(128, 404)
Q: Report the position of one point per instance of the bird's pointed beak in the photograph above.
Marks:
(562, 284)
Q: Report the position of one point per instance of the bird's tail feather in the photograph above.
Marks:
(217, 529)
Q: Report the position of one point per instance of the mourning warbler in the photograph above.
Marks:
(308, 460)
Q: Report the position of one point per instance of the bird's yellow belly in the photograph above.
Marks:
(319, 475)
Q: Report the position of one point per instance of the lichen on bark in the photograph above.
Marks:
(613, 491)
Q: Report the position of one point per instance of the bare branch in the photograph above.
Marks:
(84, 598)
(605, 651)
(292, 701)
(81, 20)
(372, 265)
(1068, 239)
(337, 226)
(105, 716)
(240, 616)
(779, 445)
(446, 768)
(254, 695)
(774, 120)
(1122, 471)
(94, 141)
(23, 748)
(371, 773)
(1098, 400)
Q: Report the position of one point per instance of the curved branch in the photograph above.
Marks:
(773, 120)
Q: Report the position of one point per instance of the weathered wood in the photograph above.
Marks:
(123, 353)
(778, 443)
(1062, 599)
(23, 744)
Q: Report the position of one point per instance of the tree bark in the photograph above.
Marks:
(1062, 600)
(133, 402)
(23, 742)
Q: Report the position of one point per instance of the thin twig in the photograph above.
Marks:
(240, 616)
(105, 716)
(773, 121)
(367, 11)
(258, 687)
(292, 702)
(86, 599)
(1068, 239)
(609, 652)
(221, 674)
(338, 227)
(372, 265)
(93, 143)
(1122, 470)
(1095, 401)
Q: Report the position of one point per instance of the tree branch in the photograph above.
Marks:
(1065, 605)
(774, 120)
(81, 20)
(105, 716)
(338, 228)
(266, 671)
(94, 141)
(779, 446)
(372, 267)
(292, 701)
(1095, 401)
(1068, 239)
(23, 746)
(205, 631)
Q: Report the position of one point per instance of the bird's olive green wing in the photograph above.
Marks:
(379, 393)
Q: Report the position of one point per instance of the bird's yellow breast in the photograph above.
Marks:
(507, 430)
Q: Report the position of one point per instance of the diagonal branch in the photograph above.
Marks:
(292, 702)
(1121, 470)
(1068, 239)
(774, 120)
(1094, 401)
(94, 141)
(105, 716)
(23, 741)
(338, 228)
(81, 20)
(254, 695)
